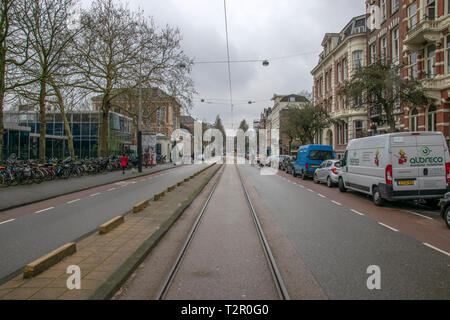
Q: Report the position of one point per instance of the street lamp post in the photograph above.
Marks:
(139, 134)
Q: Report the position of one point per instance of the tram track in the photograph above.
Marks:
(184, 251)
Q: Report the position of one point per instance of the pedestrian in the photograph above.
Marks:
(123, 162)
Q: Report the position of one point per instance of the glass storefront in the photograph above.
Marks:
(84, 126)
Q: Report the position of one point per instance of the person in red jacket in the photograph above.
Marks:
(123, 163)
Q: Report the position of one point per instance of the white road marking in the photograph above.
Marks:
(111, 189)
(45, 210)
(134, 182)
(310, 190)
(337, 203)
(7, 221)
(73, 201)
(384, 225)
(418, 214)
(321, 195)
(95, 194)
(301, 186)
(437, 249)
(352, 210)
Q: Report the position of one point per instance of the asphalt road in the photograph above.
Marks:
(28, 232)
(338, 244)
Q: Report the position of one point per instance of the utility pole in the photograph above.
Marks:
(139, 134)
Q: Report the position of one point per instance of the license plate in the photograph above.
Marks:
(405, 182)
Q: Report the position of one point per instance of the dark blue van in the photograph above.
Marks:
(310, 157)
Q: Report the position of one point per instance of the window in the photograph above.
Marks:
(395, 46)
(412, 15)
(373, 53)
(413, 68)
(414, 120)
(431, 61)
(394, 6)
(357, 60)
(383, 53)
(448, 52)
(320, 155)
(383, 9)
(345, 69)
(432, 123)
(358, 124)
(430, 10)
(339, 72)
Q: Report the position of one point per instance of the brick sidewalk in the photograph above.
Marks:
(103, 259)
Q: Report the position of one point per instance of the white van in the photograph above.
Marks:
(397, 166)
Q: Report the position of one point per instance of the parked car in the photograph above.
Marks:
(286, 162)
(445, 209)
(289, 165)
(397, 166)
(328, 172)
(310, 157)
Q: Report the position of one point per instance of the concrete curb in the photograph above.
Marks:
(140, 206)
(43, 263)
(83, 189)
(111, 225)
(113, 283)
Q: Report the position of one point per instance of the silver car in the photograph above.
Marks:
(328, 172)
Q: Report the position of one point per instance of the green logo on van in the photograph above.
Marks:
(426, 151)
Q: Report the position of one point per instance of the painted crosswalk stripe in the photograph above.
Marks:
(337, 203)
(73, 201)
(352, 210)
(7, 221)
(386, 226)
(46, 209)
(437, 249)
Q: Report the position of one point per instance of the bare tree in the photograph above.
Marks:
(50, 37)
(13, 51)
(120, 49)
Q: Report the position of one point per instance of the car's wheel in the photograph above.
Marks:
(315, 179)
(342, 187)
(329, 182)
(376, 197)
(447, 217)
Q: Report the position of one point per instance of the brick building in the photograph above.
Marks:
(343, 53)
(426, 56)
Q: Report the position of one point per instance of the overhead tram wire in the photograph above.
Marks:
(255, 60)
(228, 59)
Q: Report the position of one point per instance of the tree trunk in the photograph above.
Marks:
(2, 97)
(42, 120)
(103, 143)
(63, 114)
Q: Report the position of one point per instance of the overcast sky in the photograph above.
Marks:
(257, 29)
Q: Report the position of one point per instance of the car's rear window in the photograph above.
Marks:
(320, 155)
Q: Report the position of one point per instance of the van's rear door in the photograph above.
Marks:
(431, 166)
(405, 176)
(418, 163)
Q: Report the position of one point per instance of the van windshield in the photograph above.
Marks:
(320, 155)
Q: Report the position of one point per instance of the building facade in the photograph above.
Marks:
(160, 115)
(426, 56)
(343, 53)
